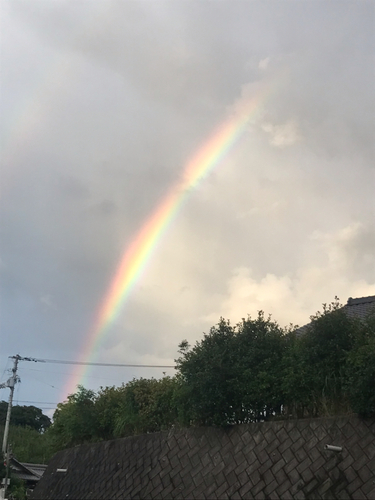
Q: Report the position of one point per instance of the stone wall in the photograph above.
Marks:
(281, 459)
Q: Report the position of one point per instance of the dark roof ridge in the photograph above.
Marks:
(33, 469)
(361, 300)
(363, 306)
(34, 465)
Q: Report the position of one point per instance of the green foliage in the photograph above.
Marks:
(314, 376)
(28, 445)
(75, 422)
(294, 378)
(206, 373)
(148, 406)
(17, 489)
(2, 470)
(108, 403)
(261, 344)
(361, 370)
(249, 372)
(25, 416)
(233, 374)
(140, 406)
(329, 340)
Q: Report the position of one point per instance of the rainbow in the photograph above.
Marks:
(138, 254)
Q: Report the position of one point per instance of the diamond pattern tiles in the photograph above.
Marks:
(271, 460)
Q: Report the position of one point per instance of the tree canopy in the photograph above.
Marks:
(233, 374)
(25, 416)
(248, 372)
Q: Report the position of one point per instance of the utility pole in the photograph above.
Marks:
(11, 382)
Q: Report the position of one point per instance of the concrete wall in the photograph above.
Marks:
(283, 459)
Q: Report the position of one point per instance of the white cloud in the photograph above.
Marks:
(140, 90)
(246, 295)
(293, 298)
(47, 301)
(263, 63)
(282, 135)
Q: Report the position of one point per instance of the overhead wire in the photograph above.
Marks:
(119, 379)
(2, 375)
(87, 363)
(5, 370)
(37, 402)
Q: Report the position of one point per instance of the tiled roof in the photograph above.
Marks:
(302, 330)
(26, 471)
(354, 308)
(360, 308)
(37, 469)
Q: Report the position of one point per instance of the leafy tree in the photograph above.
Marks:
(206, 370)
(108, 404)
(28, 445)
(361, 370)
(249, 372)
(140, 406)
(17, 489)
(148, 406)
(233, 374)
(314, 376)
(261, 344)
(294, 378)
(25, 416)
(75, 421)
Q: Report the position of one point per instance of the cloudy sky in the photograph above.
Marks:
(104, 103)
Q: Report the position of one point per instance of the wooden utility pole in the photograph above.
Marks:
(11, 382)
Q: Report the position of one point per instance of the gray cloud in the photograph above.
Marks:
(104, 104)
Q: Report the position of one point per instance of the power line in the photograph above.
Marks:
(36, 402)
(86, 363)
(119, 378)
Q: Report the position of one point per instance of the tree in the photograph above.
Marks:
(140, 406)
(28, 445)
(315, 367)
(294, 378)
(361, 370)
(233, 374)
(108, 404)
(25, 416)
(148, 405)
(74, 421)
(261, 344)
(249, 372)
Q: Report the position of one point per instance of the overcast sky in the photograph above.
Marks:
(103, 103)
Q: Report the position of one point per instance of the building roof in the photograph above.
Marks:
(355, 308)
(360, 308)
(25, 471)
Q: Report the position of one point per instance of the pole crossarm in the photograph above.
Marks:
(21, 358)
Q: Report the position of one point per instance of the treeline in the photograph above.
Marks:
(29, 445)
(248, 372)
(25, 416)
(28, 441)
(27, 433)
